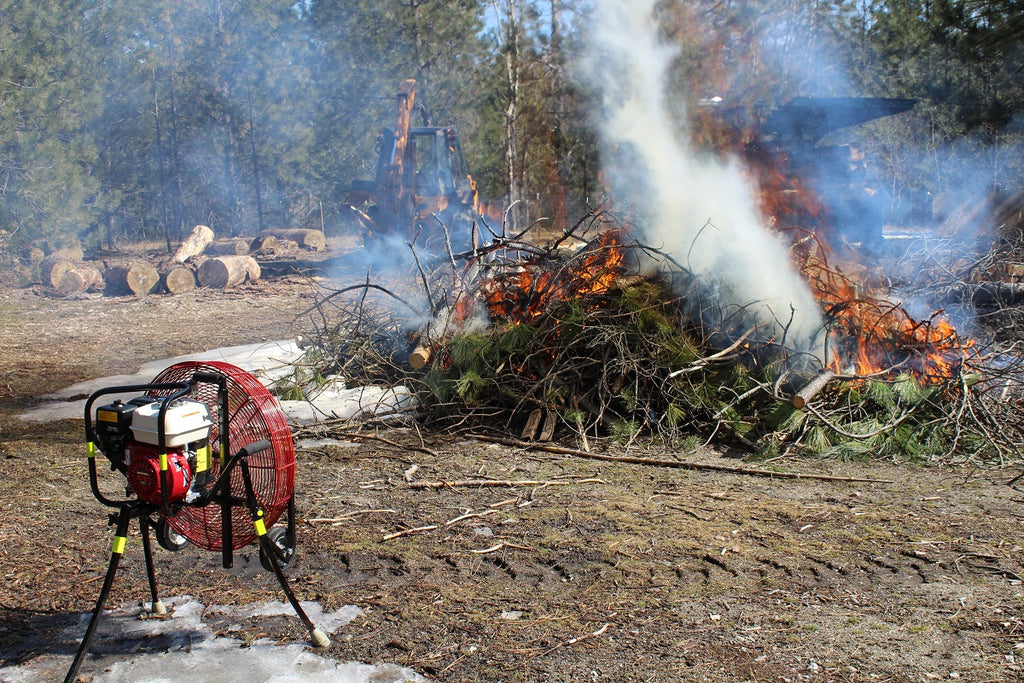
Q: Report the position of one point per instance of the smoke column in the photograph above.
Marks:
(697, 209)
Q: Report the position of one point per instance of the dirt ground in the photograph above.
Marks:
(572, 570)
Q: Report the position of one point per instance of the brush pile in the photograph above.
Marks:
(579, 345)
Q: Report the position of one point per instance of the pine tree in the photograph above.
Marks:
(47, 102)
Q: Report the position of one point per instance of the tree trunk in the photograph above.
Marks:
(224, 272)
(194, 244)
(313, 240)
(137, 278)
(513, 64)
(178, 278)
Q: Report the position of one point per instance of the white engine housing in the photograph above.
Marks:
(184, 422)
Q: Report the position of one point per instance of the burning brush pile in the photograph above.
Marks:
(596, 337)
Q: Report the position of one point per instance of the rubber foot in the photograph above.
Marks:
(319, 638)
(159, 608)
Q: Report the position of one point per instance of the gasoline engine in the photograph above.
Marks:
(176, 443)
(129, 435)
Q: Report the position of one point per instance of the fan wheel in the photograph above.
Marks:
(253, 414)
(168, 538)
(284, 550)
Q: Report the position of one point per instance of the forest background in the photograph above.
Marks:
(131, 120)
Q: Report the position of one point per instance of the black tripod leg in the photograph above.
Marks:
(318, 637)
(147, 550)
(116, 550)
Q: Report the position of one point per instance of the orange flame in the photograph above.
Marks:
(525, 292)
(868, 334)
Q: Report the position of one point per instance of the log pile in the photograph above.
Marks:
(313, 240)
(201, 260)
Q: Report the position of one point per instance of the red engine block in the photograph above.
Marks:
(145, 478)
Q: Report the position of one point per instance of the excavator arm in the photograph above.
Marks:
(421, 178)
(395, 199)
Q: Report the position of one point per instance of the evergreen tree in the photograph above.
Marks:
(47, 102)
(954, 56)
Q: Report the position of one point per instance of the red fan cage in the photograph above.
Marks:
(253, 414)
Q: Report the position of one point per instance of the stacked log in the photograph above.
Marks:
(312, 240)
(178, 272)
(264, 244)
(269, 245)
(138, 278)
(228, 247)
(224, 272)
(194, 244)
(200, 260)
(69, 276)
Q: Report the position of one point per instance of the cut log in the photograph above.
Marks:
(547, 430)
(264, 244)
(313, 240)
(228, 247)
(420, 356)
(52, 269)
(532, 425)
(811, 389)
(81, 277)
(224, 272)
(178, 279)
(138, 278)
(35, 255)
(194, 244)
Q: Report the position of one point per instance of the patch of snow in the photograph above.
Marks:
(270, 362)
(125, 650)
(349, 403)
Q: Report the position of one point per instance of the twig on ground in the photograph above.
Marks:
(347, 517)
(407, 532)
(482, 483)
(571, 641)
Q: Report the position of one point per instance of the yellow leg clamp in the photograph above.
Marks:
(117, 547)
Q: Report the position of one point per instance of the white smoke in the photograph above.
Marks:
(698, 209)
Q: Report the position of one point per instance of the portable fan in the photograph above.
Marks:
(209, 460)
(252, 414)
